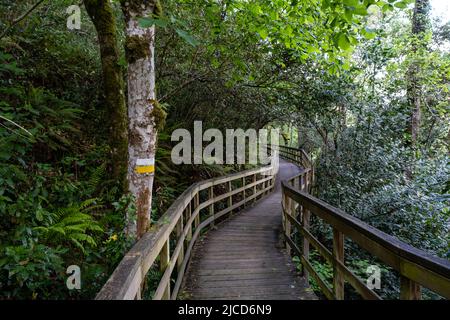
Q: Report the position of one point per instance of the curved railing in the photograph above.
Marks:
(178, 229)
(416, 267)
(170, 241)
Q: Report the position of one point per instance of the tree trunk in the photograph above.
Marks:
(144, 113)
(102, 15)
(414, 87)
(419, 28)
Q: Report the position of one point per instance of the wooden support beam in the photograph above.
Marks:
(254, 187)
(305, 223)
(338, 254)
(179, 232)
(188, 217)
(164, 260)
(409, 290)
(244, 196)
(287, 223)
(230, 198)
(196, 204)
(211, 206)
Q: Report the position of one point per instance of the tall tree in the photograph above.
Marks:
(102, 15)
(144, 113)
(419, 28)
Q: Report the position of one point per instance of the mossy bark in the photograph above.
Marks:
(102, 15)
(420, 26)
(144, 114)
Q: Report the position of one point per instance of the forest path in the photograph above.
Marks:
(244, 257)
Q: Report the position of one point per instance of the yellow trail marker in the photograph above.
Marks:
(145, 166)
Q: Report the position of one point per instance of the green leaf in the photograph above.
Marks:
(187, 37)
(263, 34)
(368, 33)
(148, 22)
(343, 42)
(351, 2)
(400, 5)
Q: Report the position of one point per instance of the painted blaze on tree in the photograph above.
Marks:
(139, 48)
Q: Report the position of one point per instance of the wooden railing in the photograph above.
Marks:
(416, 267)
(180, 227)
(294, 155)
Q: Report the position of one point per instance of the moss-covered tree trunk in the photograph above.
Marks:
(419, 29)
(102, 15)
(142, 106)
(414, 89)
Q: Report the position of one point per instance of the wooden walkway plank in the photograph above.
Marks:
(244, 258)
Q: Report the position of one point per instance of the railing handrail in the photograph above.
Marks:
(125, 281)
(414, 265)
(400, 248)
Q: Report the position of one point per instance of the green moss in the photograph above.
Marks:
(158, 11)
(158, 114)
(136, 48)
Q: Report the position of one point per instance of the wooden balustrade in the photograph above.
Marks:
(297, 156)
(191, 213)
(416, 267)
(195, 210)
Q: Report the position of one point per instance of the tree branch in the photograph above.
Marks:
(16, 21)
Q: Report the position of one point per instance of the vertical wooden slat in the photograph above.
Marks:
(139, 292)
(297, 183)
(306, 182)
(211, 206)
(305, 222)
(244, 192)
(196, 204)
(230, 198)
(179, 232)
(254, 187)
(188, 217)
(338, 254)
(409, 290)
(164, 258)
(284, 220)
(288, 229)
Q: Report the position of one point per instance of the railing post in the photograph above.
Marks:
(305, 222)
(285, 220)
(244, 191)
(188, 217)
(409, 290)
(306, 181)
(288, 231)
(179, 231)
(297, 183)
(211, 206)
(230, 198)
(338, 254)
(273, 179)
(196, 204)
(164, 260)
(254, 187)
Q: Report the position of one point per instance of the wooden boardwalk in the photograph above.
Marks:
(244, 258)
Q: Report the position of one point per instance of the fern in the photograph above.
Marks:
(72, 225)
